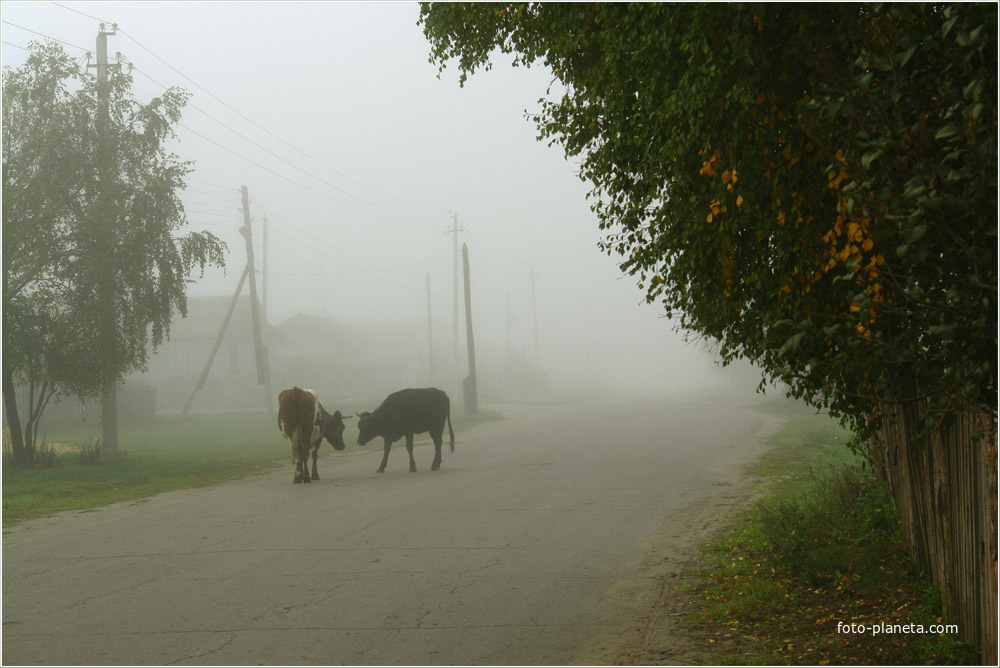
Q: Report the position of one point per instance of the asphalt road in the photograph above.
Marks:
(501, 557)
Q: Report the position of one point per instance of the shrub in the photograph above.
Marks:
(844, 519)
(90, 452)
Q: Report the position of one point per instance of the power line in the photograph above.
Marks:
(291, 164)
(82, 13)
(40, 34)
(293, 181)
(255, 124)
(262, 128)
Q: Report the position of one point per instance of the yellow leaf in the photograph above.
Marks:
(739, 200)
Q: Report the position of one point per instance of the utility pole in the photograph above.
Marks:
(263, 377)
(218, 342)
(264, 230)
(534, 317)
(509, 322)
(322, 285)
(109, 394)
(430, 339)
(470, 385)
(454, 230)
(260, 355)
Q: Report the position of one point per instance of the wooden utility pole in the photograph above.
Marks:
(454, 230)
(218, 342)
(322, 286)
(263, 378)
(109, 393)
(470, 385)
(263, 223)
(430, 338)
(509, 322)
(260, 354)
(534, 317)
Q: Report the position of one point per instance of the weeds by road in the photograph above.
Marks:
(165, 454)
(819, 552)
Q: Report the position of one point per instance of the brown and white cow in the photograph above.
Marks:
(305, 423)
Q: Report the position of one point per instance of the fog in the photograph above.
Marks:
(356, 152)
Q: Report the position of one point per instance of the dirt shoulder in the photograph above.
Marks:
(661, 590)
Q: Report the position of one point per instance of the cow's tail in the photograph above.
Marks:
(296, 446)
(451, 432)
(303, 422)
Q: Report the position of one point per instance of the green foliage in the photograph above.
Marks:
(821, 532)
(814, 186)
(822, 546)
(90, 452)
(93, 263)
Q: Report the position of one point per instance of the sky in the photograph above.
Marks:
(361, 156)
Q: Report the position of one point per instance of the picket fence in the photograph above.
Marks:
(946, 493)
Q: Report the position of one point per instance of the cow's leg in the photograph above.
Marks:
(409, 449)
(304, 462)
(315, 475)
(295, 463)
(437, 451)
(385, 456)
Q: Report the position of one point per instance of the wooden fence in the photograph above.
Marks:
(946, 493)
(136, 401)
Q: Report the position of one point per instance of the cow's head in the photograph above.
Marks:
(333, 430)
(367, 429)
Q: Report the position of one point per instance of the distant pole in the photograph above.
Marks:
(263, 223)
(454, 230)
(534, 316)
(262, 375)
(470, 386)
(430, 339)
(218, 342)
(322, 285)
(508, 325)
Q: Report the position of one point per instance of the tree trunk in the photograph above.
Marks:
(10, 405)
(109, 421)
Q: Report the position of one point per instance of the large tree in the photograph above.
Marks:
(814, 186)
(94, 262)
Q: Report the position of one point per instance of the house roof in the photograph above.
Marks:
(205, 316)
(317, 330)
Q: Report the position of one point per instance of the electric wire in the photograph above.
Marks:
(236, 111)
(242, 115)
(40, 34)
(287, 162)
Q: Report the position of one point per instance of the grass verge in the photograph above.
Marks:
(821, 550)
(165, 454)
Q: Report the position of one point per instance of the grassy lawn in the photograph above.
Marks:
(165, 454)
(822, 546)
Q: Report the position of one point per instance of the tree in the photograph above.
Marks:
(93, 265)
(814, 186)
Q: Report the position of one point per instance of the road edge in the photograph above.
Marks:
(649, 603)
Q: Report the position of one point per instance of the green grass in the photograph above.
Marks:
(821, 546)
(165, 454)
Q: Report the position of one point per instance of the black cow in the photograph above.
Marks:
(405, 413)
